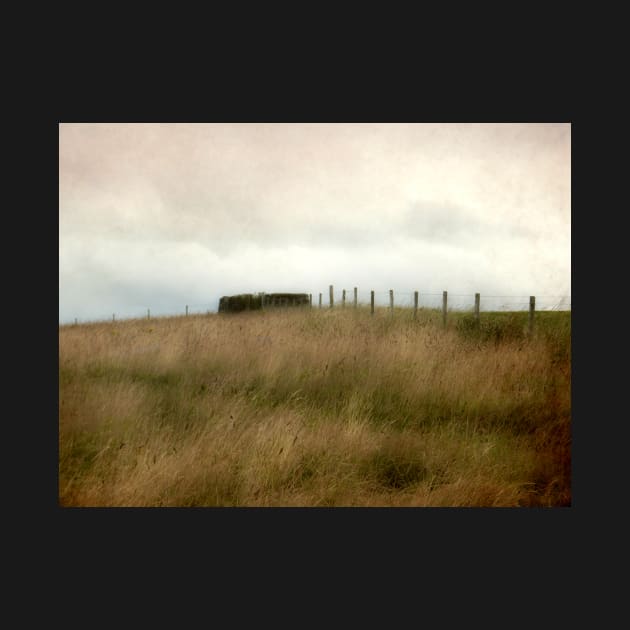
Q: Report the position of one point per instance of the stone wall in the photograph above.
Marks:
(251, 302)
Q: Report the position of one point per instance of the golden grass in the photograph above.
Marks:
(310, 408)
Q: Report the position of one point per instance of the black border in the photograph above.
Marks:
(433, 536)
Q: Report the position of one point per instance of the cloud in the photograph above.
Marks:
(442, 223)
(170, 213)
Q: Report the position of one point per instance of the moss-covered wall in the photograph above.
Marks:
(249, 301)
(286, 299)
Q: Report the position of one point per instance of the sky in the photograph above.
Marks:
(160, 216)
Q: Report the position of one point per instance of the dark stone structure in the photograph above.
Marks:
(251, 302)
(237, 303)
(286, 299)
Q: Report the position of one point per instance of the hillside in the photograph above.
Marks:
(304, 407)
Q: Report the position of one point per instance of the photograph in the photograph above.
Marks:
(314, 315)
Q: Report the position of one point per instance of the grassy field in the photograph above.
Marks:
(316, 408)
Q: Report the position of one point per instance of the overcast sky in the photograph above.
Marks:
(163, 215)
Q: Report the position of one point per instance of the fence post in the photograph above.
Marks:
(477, 298)
(330, 290)
(186, 310)
(532, 308)
(415, 304)
(148, 313)
(372, 302)
(391, 302)
(343, 299)
(444, 302)
(320, 300)
(356, 301)
(310, 300)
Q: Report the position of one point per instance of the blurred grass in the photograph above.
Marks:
(316, 408)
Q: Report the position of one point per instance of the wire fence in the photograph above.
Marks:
(455, 301)
(349, 298)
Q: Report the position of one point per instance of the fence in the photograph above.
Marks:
(413, 300)
(474, 302)
(453, 302)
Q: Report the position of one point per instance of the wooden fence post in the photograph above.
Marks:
(310, 300)
(391, 303)
(330, 290)
(356, 301)
(415, 304)
(372, 302)
(320, 300)
(444, 303)
(343, 299)
(477, 298)
(532, 308)
(186, 310)
(148, 313)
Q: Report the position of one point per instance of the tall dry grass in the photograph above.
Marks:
(315, 408)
